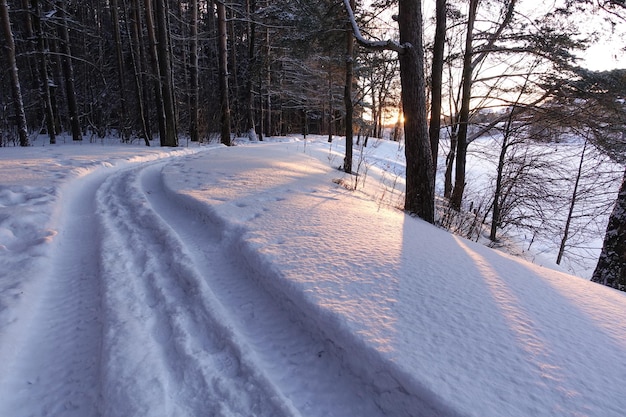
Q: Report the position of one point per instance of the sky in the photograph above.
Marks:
(250, 280)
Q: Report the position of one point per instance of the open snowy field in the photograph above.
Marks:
(246, 281)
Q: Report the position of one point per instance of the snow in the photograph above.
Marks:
(249, 281)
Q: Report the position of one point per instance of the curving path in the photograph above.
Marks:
(148, 313)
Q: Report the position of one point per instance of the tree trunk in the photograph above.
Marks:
(165, 70)
(436, 79)
(611, 267)
(115, 21)
(347, 96)
(447, 182)
(252, 60)
(135, 54)
(234, 87)
(154, 57)
(68, 72)
(42, 63)
(15, 80)
(420, 180)
(495, 218)
(461, 146)
(572, 204)
(223, 71)
(193, 71)
(268, 81)
(330, 103)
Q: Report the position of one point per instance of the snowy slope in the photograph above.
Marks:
(246, 281)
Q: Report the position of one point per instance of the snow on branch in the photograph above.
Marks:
(376, 45)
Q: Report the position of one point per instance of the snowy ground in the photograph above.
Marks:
(245, 281)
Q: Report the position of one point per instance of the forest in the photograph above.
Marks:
(436, 75)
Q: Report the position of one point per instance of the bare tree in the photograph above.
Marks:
(165, 71)
(136, 62)
(18, 103)
(436, 78)
(42, 66)
(223, 67)
(68, 70)
(117, 37)
(347, 97)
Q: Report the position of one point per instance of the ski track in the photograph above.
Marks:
(213, 341)
(57, 357)
(147, 312)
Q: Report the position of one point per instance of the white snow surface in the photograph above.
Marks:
(245, 281)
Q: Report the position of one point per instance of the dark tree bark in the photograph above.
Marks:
(117, 38)
(330, 103)
(470, 62)
(347, 96)
(234, 87)
(252, 61)
(193, 71)
(497, 195)
(420, 179)
(461, 143)
(436, 79)
(42, 64)
(223, 70)
(135, 49)
(268, 83)
(611, 267)
(15, 80)
(154, 57)
(165, 70)
(68, 71)
(572, 205)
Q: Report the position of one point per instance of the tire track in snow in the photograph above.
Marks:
(167, 348)
(296, 362)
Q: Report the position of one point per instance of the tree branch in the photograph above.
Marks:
(374, 45)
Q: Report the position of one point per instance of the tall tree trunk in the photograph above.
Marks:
(193, 71)
(436, 79)
(15, 79)
(268, 82)
(420, 179)
(235, 105)
(117, 37)
(347, 96)
(330, 103)
(572, 205)
(461, 147)
(68, 71)
(42, 64)
(135, 54)
(471, 61)
(252, 60)
(156, 72)
(611, 267)
(447, 182)
(223, 71)
(165, 70)
(497, 196)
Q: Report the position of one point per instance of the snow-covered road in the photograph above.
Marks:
(246, 281)
(57, 367)
(146, 313)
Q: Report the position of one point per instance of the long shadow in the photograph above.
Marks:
(566, 329)
(343, 285)
(437, 325)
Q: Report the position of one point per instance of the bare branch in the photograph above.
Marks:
(388, 45)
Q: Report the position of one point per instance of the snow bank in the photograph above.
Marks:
(439, 325)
